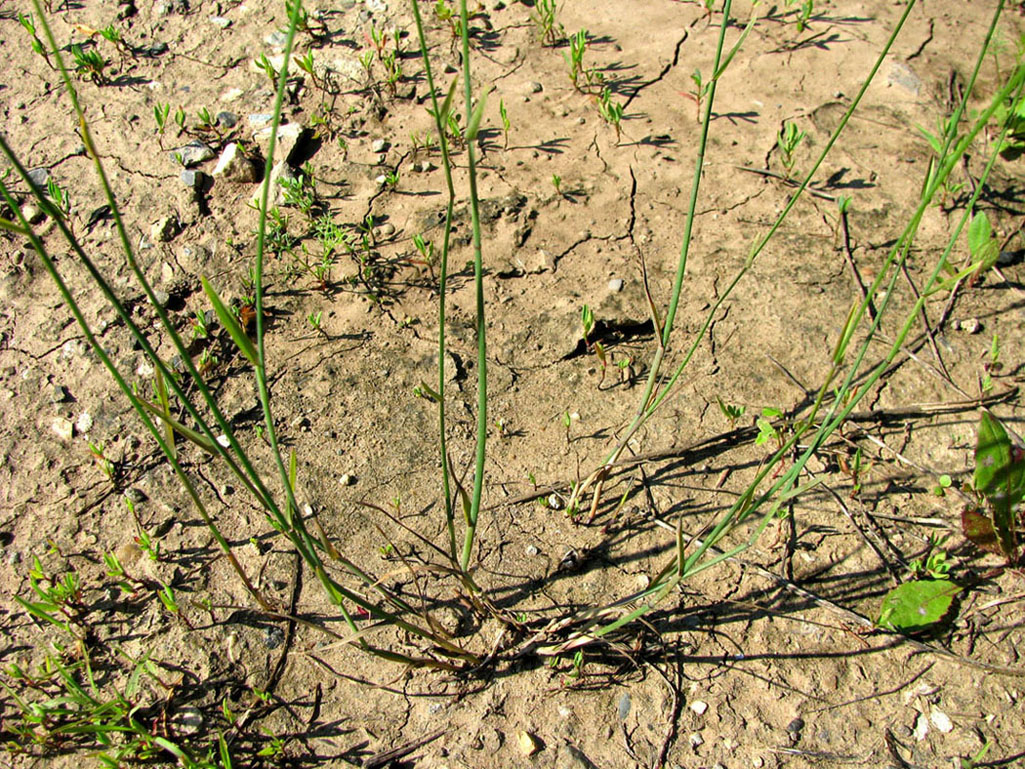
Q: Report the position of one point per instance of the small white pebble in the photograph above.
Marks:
(223, 440)
(699, 707)
(941, 721)
(696, 740)
(616, 285)
(921, 727)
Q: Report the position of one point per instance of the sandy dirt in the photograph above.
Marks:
(767, 662)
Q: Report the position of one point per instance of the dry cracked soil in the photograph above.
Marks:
(770, 659)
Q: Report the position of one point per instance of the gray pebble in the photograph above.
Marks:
(192, 179)
(39, 176)
(60, 394)
(276, 39)
(192, 154)
(261, 119)
(135, 496)
(535, 87)
(226, 119)
(616, 285)
(273, 637)
(624, 706)
(379, 146)
(531, 550)
(161, 296)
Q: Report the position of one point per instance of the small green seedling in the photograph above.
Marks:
(575, 56)
(315, 321)
(268, 69)
(549, 31)
(767, 431)
(89, 64)
(731, 412)
(803, 14)
(61, 199)
(698, 92)
(586, 320)
(557, 183)
(788, 140)
(505, 121)
(943, 483)
(160, 115)
(37, 44)
(934, 565)
(1000, 485)
(103, 462)
(611, 111)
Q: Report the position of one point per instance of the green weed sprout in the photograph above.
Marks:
(89, 64)
(731, 412)
(787, 141)
(575, 56)
(505, 122)
(37, 45)
(611, 111)
(549, 31)
(557, 183)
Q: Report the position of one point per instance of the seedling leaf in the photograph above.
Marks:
(1000, 477)
(916, 605)
(227, 319)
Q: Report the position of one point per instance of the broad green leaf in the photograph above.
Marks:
(1000, 477)
(979, 232)
(227, 319)
(916, 605)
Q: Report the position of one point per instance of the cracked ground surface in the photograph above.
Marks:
(768, 661)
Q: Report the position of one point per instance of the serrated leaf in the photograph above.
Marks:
(916, 605)
(227, 319)
(978, 529)
(1000, 477)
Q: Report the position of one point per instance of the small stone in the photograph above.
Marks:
(796, 726)
(161, 297)
(39, 176)
(231, 94)
(554, 502)
(696, 740)
(60, 394)
(534, 87)
(289, 136)
(259, 120)
(527, 742)
(164, 229)
(226, 119)
(135, 496)
(234, 166)
(64, 429)
(33, 214)
(531, 550)
(84, 423)
(192, 154)
(572, 758)
(276, 39)
(921, 727)
(222, 439)
(189, 720)
(387, 229)
(157, 49)
(616, 285)
(273, 637)
(192, 179)
(280, 171)
(378, 146)
(347, 479)
(220, 21)
(623, 709)
(941, 721)
(699, 707)
(381, 180)
(377, 6)
(426, 166)
(971, 325)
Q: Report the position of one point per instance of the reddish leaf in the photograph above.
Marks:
(978, 529)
